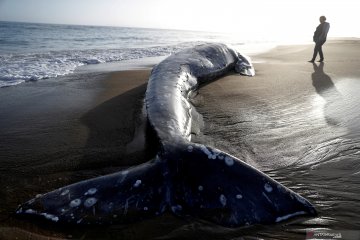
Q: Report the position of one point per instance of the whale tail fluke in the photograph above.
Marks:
(122, 197)
(189, 180)
(217, 187)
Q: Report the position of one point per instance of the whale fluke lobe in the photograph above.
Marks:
(228, 191)
(122, 197)
(184, 178)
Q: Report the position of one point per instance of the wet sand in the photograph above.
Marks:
(57, 133)
(298, 122)
(294, 120)
(288, 100)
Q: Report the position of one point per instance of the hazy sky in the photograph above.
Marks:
(277, 18)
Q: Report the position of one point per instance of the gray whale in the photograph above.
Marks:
(184, 178)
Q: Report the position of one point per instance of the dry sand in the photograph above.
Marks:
(53, 135)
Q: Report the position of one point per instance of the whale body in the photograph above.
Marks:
(185, 178)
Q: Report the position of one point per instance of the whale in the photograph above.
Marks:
(184, 178)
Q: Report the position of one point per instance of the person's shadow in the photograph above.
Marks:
(325, 87)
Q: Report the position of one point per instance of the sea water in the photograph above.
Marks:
(33, 51)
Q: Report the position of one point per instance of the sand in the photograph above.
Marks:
(54, 134)
(287, 119)
(286, 96)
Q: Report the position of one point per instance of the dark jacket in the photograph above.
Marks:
(321, 32)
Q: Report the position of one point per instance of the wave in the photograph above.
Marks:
(19, 68)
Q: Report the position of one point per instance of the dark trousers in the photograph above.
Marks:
(318, 49)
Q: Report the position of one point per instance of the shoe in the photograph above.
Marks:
(321, 60)
(311, 61)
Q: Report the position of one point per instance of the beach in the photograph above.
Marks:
(294, 120)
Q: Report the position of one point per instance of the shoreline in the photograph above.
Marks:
(250, 49)
(289, 114)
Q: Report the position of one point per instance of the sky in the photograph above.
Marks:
(278, 19)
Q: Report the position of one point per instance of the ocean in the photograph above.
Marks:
(33, 51)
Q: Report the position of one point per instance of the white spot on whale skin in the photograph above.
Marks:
(210, 154)
(176, 208)
(75, 203)
(19, 211)
(137, 183)
(222, 199)
(90, 202)
(190, 148)
(91, 191)
(145, 209)
(268, 187)
(229, 161)
(110, 206)
(30, 211)
(65, 192)
(50, 217)
(206, 151)
(200, 188)
(239, 196)
(122, 177)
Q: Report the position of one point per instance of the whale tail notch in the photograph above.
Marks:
(189, 180)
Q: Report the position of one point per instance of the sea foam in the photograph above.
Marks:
(18, 68)
(30, 52)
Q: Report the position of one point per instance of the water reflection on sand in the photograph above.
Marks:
(308, 140)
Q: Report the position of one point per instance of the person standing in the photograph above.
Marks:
(320, 38)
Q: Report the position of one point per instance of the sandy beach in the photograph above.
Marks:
(294, 120)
